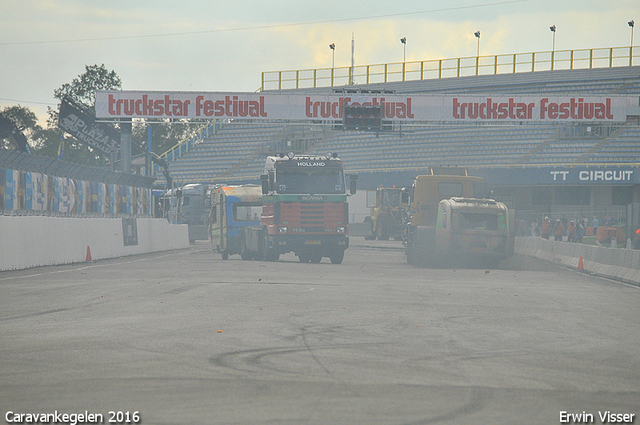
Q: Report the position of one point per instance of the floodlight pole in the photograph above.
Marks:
(553, 47)
(332, 46)
(631, 24)
(477, 34)
(353, 48)
(403, 40)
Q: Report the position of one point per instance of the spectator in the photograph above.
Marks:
(558, 230)
(636, 241)
(594, 224)
(521, 228)
(580, 229)
(571, 232)
(546, 228)
(534, 228)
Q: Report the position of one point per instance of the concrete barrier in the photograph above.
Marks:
(614, 263)
(41, 241)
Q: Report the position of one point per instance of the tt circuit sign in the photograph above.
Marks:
(393, 107)
(590, 176)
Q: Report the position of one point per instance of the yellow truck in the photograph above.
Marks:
(452, 221)
(388, 212)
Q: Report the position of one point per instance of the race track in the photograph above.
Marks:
(184, 337)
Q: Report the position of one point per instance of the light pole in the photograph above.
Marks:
(631, 24)
(403, 40)
(332, 46)
(553, 48)
(477, 34)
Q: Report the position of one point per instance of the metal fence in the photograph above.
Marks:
(455, 67)
(16, 160)
(33, 185)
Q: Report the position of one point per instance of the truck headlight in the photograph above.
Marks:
(283, 229)
(341, 229)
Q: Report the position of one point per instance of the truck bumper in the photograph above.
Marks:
(326, 244)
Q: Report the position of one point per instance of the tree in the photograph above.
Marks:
(165, 135)
(82, 90)
(24, 119)
(46, 141)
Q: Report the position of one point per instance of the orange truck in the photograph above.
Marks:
(304, 210)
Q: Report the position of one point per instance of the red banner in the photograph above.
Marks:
(394, 107)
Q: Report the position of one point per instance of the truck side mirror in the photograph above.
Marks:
(353, 179)
(265, 183)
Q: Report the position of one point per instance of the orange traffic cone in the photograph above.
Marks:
(88, 257)
(580, 265)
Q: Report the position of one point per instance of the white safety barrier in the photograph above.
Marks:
(614, 263)
(41, 241)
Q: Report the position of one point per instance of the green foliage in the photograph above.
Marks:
(83, 89)
(164, 135)
(23, 118)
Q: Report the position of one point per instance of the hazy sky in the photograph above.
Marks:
(200, 45)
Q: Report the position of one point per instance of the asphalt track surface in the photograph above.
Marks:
(184, 337)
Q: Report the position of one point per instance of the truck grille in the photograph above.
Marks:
(313, 217)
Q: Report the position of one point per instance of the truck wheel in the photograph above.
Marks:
(491, 263)
(304, 257)
(269, 254)
(316, 257)
(383, 235)
(411, 256)
(372, 236)
(225, 255)
(243, 249)
(337, 257)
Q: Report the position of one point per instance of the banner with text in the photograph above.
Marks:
(394, 107)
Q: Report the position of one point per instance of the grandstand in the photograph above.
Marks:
(235, 150)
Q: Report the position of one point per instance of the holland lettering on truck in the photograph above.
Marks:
(311, 164)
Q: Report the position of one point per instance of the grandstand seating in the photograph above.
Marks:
(236, 150)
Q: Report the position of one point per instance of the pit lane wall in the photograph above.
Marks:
(614, 263)
(30, 241)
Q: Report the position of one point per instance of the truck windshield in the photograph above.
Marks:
(476, 221)
(247, 211)
(310, 181)
(391, 198)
